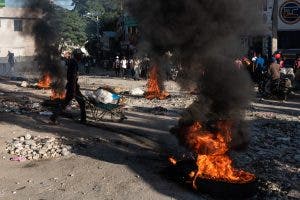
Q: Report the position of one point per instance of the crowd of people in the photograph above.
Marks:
(267, 73)
(136, 68)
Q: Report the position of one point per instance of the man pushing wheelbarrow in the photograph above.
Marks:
(72, 88)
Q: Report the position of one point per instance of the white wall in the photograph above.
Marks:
(14, 41)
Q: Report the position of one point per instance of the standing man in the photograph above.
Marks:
(117, 66)
(11, 62)
(72, 87)
(274, 70)
(123, 67)
(130, 67)
(136, 68)
(145, 67)
(260, 68)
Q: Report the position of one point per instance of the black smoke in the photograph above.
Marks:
(45, 32)
(206, 34)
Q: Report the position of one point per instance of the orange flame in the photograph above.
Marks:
(45, 81)
(212, 159)
(172, 160)
(57, 95)
(153, 88)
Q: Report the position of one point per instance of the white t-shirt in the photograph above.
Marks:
(124, 63)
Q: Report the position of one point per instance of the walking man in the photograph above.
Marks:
(260, 68)
(73, 89)
(11, 62)
(117, 66)
(137, 69)
(123, 67)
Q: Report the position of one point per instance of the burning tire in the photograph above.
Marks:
(218, 189)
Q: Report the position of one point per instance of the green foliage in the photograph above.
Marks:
(72, 27)
(107, 10)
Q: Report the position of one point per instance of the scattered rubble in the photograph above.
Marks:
(19, 105)
(159, 110)
(273, 153)
(177, 101)
(35, 147)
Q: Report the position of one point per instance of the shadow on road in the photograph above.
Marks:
(142, 143)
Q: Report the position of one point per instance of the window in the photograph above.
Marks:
(18, 25)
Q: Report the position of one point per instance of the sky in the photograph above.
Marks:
(19, 3)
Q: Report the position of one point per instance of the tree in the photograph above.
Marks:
(107, 10)
(72, 27)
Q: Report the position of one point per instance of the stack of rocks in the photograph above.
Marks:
(35, 147)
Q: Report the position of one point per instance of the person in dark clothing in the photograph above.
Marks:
(11, 61)
(73, 89)
(117, 66)
(260, 68)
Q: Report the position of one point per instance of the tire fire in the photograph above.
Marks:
(57, 95)
(154, 90)
(212, 149)
(45, 83)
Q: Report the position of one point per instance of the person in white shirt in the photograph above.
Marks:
(123, 66)
(137, 68)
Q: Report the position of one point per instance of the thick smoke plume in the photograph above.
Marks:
(206, 34)
(46, 35)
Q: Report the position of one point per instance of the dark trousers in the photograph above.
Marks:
(132, 72)
(117, 71)
(71, 94)
(123, 72)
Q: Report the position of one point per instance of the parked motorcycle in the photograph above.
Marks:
(280, 88)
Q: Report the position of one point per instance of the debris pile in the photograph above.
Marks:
(36, 147)
(274, 156)
(20, 105)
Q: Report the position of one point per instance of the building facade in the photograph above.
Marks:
(282, 22)
(286, 26)
(14, 24)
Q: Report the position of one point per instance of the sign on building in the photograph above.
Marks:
(288, 14)
(2, 3)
